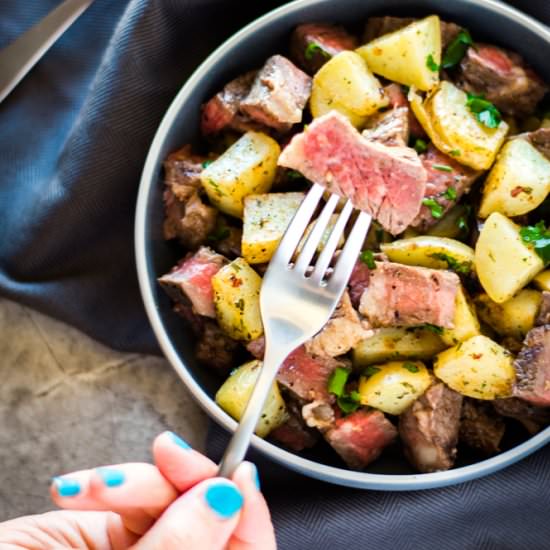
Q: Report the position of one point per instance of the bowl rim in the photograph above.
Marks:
(336, 475)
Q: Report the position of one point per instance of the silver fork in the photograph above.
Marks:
(296, 301)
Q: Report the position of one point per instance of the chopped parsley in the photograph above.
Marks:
(435, 208)
(432, 328)
(371, 371)
(538, 236)
(484, 111)
(349, 403)
(455, 265)
(420, 146)
(240, 304)
(442, 167)
(411, 367)
(462, 223)
(367, 257)
(206, 163)
(215, 186)
(450, 194)
(337, 381)
(455, 153)
(313, 49)
(431, 64)
(221, 232)
(456, 50)
(293, 175)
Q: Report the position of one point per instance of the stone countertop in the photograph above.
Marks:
(68, 403)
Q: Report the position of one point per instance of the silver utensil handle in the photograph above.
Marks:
(240, 441)
(18, 58)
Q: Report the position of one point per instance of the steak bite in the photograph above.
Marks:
(386, 182)
(444, 173)
(533, 367)
(543, 317)
(481, 427)
(429, 429)
(397, 98)
(342, 332)
(389, 127)
(540, 139)
(358, 282)
(278, 95)
(503, 78)
(403, 295)
(187, 217)
(313, 44)
(532, 417)
(294, 433)
(360, 437)
(191, 280)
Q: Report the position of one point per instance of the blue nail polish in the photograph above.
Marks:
(225, 500)
(179, 441)
(111, 477)
(255, 476)
(66, 487)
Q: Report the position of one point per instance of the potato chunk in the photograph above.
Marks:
(518, 182)
(542, 280)
(504, 264)
(235, 393)
(346, 85)
(466, 323)
(432, 252)
(515, 317)
(265, 220)
(478, 368)
(237, 300)
(247, 167)
(394, 386)
(390, 343)
(410, 55)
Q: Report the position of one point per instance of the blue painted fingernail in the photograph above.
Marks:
(111, 477)
(255, 476)
(179, 441)
(225, 500)
(66, 487)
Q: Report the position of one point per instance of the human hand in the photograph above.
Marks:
(176, 504)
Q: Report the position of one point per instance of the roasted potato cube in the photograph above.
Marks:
(390, 343)
(394, 386)
(246, 168)
(265, 220)
(466, 324)
(410, 55)
(518, 182)
(449, 225)
(478, 368)
(237, 300)
(345, 84)
(326, 235)
(235, 393)
(504, 264)
(542, 280)
(433, 252)
(515, 317)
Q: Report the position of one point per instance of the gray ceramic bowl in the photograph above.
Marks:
(488, 20)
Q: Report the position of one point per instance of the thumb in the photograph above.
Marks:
(204, 518)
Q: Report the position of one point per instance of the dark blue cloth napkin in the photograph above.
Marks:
(73, 138)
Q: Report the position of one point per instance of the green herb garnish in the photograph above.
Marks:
(367, 257)
(431, 64)
(370, 371)
(455, 153)
(312, 49)
(450, 194)
(337, 381)
(207, 163)
(442, 167)
(221, 233)
(484, 111)
(538, 236)
(420, 146)
(349, 403)
(435, 208)
(432, 328)
(456, 50)
(411, 367)
(293, 175)
(455, 265)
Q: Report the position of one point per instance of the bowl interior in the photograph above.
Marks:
(487, 20)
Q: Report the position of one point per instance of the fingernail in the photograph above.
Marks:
(179, 441)
(225, 500)
(66, 487)
(255, 476)
(111, 477)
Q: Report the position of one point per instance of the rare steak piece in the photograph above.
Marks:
(429, 429)
(481, 427)
(191, 280)
(358, 282)
(448, 180)
(313, 44)
(503, 78)
(389, 127)
(403, 295)
(533, 367)
(187, 217)
(543, 317)
(386, 182)
(278, 95)
(360, 437)
(541, 140)
(294, 433)
(223, 110)
(342, 332)
(532, 417)
(397, 98)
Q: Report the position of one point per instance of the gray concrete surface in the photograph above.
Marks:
(67, 402)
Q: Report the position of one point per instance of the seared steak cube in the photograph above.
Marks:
(543, 317)
(389, 127)
(215, 349)
(540, 139)
(481, 427)
(533, 367)
(313, 44)
(294, 433)
(360, 437)
(429, 429)
(532, 417)
(403, 295)
(386, 182)
(358, 282)
(278, 95)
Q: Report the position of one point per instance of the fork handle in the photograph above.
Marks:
(238, 446)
